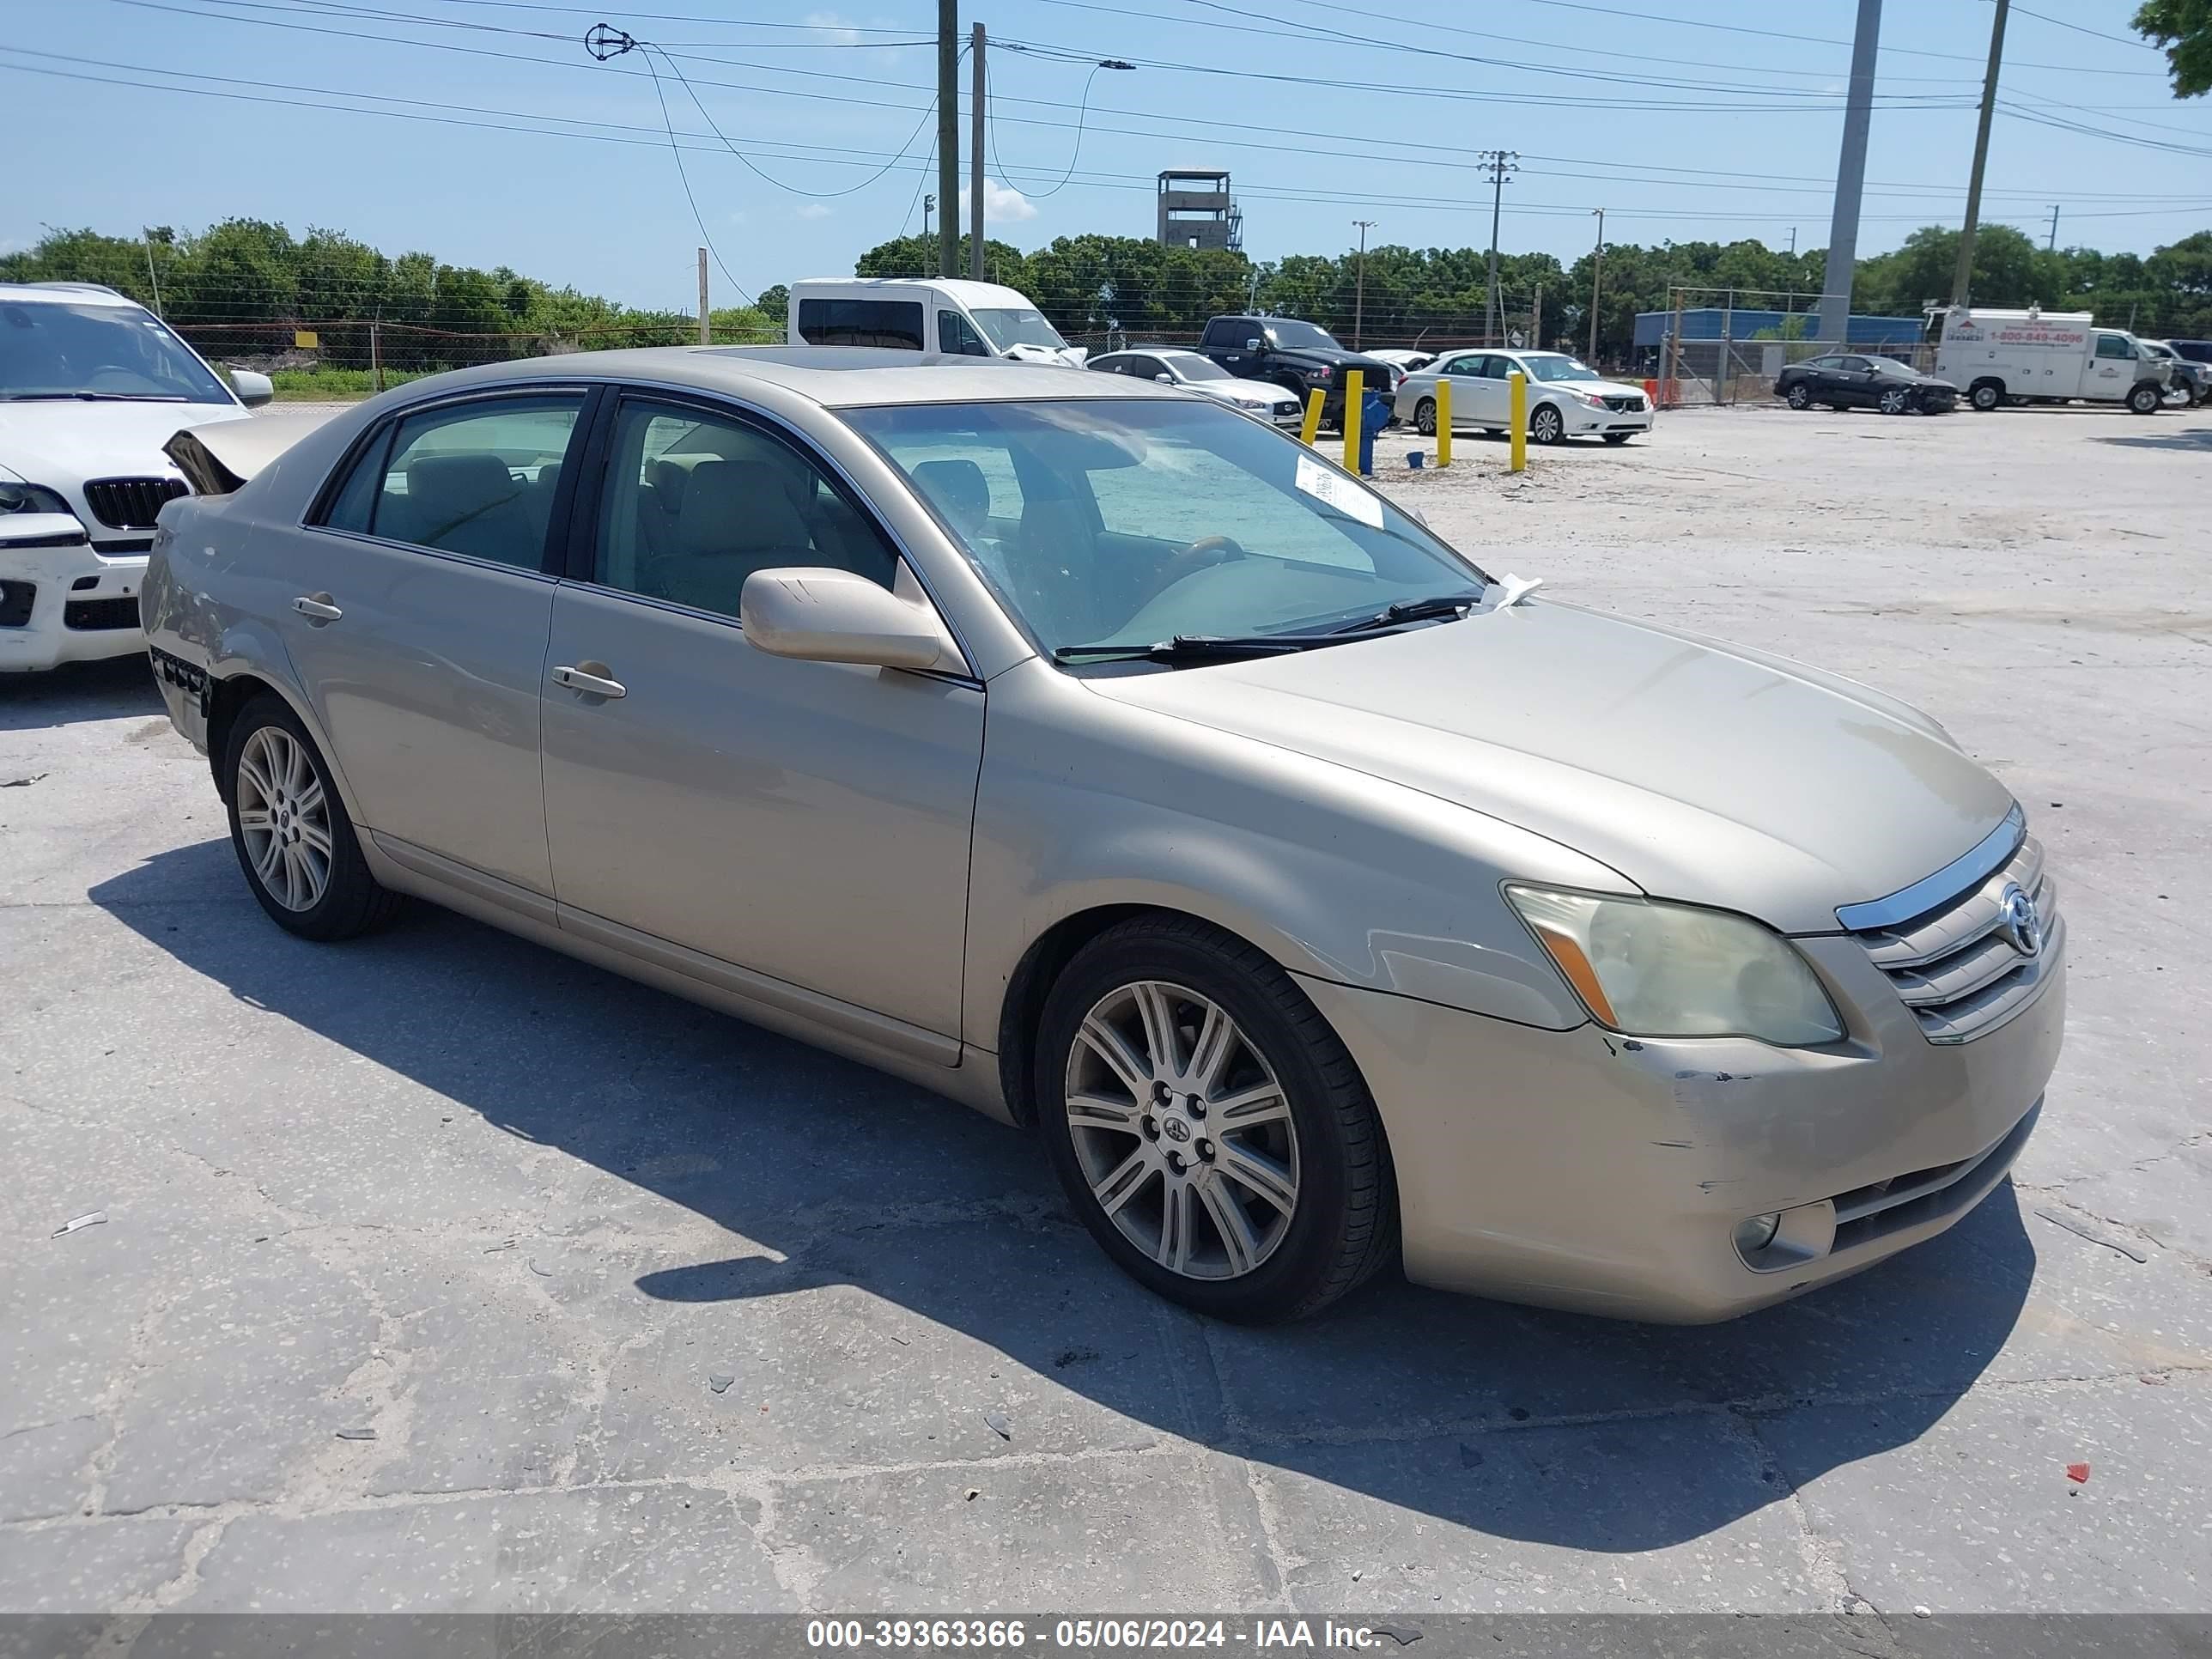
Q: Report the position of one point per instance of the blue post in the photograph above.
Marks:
(1373, 413)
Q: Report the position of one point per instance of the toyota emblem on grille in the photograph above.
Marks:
(2017, 920)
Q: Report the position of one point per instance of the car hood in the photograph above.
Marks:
(1266, 391)
(60, 445)
(1699, 771)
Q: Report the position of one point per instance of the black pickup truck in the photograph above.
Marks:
(1295, 356)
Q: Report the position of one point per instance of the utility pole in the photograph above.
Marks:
(148, 242)
(706, 329)
(1597, 270)
(928, 206)
(1359, 289)
(1536, 321)
(1793, 241)
(1850, 178)
(948, 137)
(1500, 163)
(1962, 280)
(975, 160)
(2051, 246)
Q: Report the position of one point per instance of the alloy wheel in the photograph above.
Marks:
(1424, 418)
(1545, 427)
(283, 817)
(1182, 1131)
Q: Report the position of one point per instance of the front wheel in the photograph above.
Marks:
(1209, 1128)
(1986, 395)
(2145, 399)
(1800, 397)
(1546, 425)
(291, 830)
(1895, 401)
(1424, 418)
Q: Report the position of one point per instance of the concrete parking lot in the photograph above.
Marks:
(440, 1272)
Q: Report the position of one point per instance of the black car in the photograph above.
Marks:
(1847, 381)
(1295, 356)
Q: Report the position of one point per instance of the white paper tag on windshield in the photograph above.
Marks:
(1338, 492)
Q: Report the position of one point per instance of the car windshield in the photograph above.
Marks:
(1284, 333)
(49, 350)
(1008, 326)
(1195, 367)
(1553, 366)
(1114, 522)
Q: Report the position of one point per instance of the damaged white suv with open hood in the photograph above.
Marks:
(92, 385)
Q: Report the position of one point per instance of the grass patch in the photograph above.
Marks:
(296, 386)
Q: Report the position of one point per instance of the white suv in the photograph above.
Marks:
(92, 385)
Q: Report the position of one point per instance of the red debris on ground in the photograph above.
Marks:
(2077, 1473)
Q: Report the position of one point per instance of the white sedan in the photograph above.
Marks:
(1567, 398)
(1194, 372)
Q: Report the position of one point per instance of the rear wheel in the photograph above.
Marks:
(291, 830)
(1546, 424)
(1424, 418)
(2145, 399)
(1800, 395)
(1986, 395)
(1209, 1128)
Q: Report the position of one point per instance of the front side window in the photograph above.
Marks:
(893, 323)
(99, 354)
(695, 502)
(1231, 331)
(474, 478)
(2113, 345)
(1014, 326)
(1139, 520)
(955, 333)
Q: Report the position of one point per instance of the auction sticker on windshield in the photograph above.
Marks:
(1335, 490)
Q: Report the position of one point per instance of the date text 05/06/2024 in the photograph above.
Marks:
(1088, 1635)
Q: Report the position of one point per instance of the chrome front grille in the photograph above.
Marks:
(1958, 965)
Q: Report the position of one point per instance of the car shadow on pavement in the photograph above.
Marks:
(114, 689)
(2194, 440)
(834, 1179)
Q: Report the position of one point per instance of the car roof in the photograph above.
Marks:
(76, 293)
(835, 377)
(962, 289)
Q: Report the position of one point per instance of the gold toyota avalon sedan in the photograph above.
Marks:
(1090, 752)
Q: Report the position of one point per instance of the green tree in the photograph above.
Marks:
(2183, 27)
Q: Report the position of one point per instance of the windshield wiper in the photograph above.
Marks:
(1196, 648)
(1432, 609)
(93, 397)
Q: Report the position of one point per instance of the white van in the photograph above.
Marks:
(2046, 356)
(926, 313)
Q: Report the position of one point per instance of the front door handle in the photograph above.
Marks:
(317, 608)
(592, 678)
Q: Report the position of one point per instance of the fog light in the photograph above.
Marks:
(1755, 1233)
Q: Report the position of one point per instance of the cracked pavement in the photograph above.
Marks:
(423, 1255)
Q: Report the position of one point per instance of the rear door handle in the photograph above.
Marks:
(317, 608)
(592, 678)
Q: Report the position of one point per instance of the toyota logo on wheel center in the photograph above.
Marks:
(1176, 1129)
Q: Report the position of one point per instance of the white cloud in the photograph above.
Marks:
(846, 34)
(1002, 204)
(816, 210)
(737, 218)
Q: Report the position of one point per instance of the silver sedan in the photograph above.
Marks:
(1087, 752)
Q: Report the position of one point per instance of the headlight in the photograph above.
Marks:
(1248, 402)
(1324, 373)
(1591, 399)
(30, 498)
(1671, 970)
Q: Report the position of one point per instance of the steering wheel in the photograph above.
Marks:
(1202, 554)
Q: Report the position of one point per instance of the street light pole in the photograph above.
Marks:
(1359, 289)
(1500, 162)
(948, 137)
(1597, 268)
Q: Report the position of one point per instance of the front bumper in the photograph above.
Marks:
(82, 607)
(1584, 421)
(1584, 1171)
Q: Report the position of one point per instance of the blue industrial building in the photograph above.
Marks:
(1706, 323)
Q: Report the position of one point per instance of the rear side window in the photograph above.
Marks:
(473, 478)
(894, 323)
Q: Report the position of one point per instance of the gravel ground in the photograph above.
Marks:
(439, 1272)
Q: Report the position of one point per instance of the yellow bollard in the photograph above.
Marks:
(1443, 420)
(1353, 391)
(1518, 410)
(1311, 430)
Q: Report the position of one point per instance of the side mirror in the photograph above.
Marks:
(1255, 345)
(253, 390)
(19, 530)
(1164, 379)
(835, 615)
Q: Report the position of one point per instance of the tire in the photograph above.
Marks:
(280, 799)
(1800, 395)
(2145, 399)
(1546, 426)
(1314, 1132)
(1424, 418)
(1895, 401)
(1986, 395)
(1617, 437)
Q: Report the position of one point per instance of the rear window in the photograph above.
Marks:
(894, 323)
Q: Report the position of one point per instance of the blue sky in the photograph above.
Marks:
(1683, 118)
